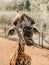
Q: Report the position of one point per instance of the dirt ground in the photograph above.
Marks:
(39, 56)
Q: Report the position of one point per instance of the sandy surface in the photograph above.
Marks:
(39, 56)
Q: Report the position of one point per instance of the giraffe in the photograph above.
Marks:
(22, 57)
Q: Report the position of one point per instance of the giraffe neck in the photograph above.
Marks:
(21, 50)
